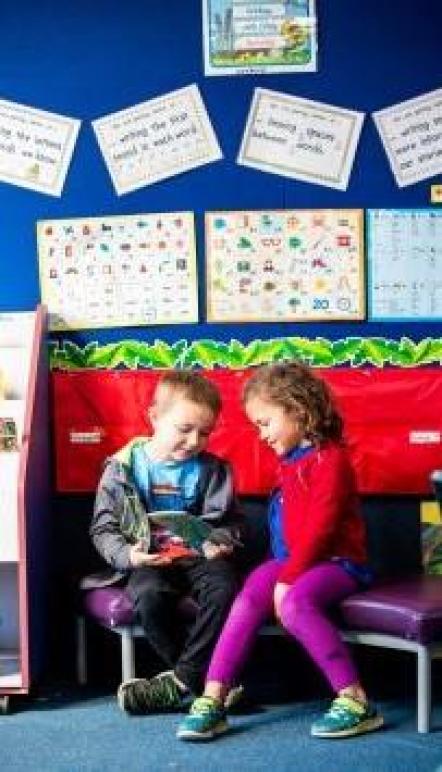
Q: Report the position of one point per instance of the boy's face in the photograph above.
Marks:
(278, 427)
(181, 429)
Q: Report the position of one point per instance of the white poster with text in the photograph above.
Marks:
(157, 139)
(411, 133)
(36, 147)
(301, 139)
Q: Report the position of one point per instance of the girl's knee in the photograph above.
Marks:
(295, 612)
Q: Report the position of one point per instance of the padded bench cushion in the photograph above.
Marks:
(113, 607)
(110, 606)
(409, 608)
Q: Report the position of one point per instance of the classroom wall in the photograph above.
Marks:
(87, 59)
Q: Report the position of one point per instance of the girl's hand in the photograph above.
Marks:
(278, 597)
(139, 558)
(211, 551)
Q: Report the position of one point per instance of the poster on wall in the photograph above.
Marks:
(287, 265)
(404, 253)
(157, 139)
(300, 139)
(118, 271)
(411, 133)
(244, 37)
(36, 147)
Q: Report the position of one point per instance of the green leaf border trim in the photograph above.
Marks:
(209, 354)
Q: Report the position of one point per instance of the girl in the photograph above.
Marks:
(319, 555)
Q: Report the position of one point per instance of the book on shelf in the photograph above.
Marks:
(8, 434)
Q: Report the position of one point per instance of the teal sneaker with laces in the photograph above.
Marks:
(347, 717)
(206, 720)
(139, 696)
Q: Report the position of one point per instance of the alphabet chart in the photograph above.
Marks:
(119, 271)
(288, 265)
(405, 264)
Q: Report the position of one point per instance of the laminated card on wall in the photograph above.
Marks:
(404, 264)
(301, 139)
(157, 139)
(243, 37)
(287, 265)
(36, 147)
(119, 271)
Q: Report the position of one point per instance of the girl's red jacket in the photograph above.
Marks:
(321, 513)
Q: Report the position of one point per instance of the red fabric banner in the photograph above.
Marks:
(393, 421)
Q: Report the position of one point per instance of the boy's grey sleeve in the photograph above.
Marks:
(105, 528)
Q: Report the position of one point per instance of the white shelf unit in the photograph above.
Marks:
(24, 499)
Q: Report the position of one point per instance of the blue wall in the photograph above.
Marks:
(88, 58)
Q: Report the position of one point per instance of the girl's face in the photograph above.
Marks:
(278, 427)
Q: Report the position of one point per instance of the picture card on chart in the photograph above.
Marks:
(300, 139)
(36, 147)
(157, 139)
(411, 133)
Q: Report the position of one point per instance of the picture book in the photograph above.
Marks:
(8, 434)
(179, 534)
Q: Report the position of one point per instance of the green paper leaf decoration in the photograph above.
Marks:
(208, 354)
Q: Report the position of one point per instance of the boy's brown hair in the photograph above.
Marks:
(297, 389)
(189, 385)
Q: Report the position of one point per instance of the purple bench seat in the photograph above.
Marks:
(404, 614)
(408, 608)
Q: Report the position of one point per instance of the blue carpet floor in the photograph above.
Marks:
(72, 731)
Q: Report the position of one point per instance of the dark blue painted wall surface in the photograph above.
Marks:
(87, 59)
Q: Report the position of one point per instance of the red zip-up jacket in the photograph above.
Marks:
(321, 518)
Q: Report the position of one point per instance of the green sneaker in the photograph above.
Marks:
(206, 720)
(139, 696)
(347, 717)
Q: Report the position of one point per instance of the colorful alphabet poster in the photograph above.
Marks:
(411, 133)
(157, 139)
(288, 265)
(244, 37)
(119, 271)
(301, 139)
(405, 264)
(36, 147)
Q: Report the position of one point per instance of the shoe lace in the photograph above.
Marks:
(343, 706)
(164, 690)
(204, 705)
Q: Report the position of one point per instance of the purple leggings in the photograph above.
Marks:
(303, 615)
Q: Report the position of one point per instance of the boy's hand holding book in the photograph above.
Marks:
(139, 558)
(211, 550)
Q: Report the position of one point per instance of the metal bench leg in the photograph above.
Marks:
(423, 689)
(127, 654)
(81, 654)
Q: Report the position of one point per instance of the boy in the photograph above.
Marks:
(170, 470)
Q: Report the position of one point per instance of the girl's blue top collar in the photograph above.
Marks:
(297, 452)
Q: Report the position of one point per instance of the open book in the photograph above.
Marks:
(180, 534)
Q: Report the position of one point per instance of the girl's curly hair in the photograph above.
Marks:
(296, 388)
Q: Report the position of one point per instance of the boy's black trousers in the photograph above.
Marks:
(157, 592)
